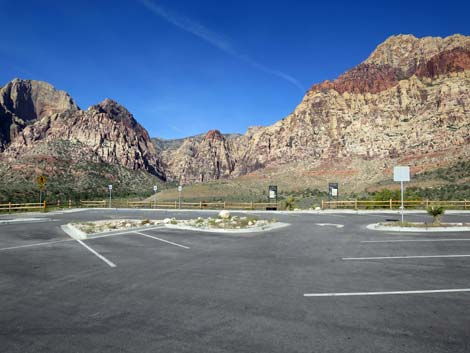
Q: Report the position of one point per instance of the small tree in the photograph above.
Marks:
(289, 204)
(436, 213)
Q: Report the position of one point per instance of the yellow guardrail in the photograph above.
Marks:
(22, 206)
(186, 205)
(394, 204)
(100, 203)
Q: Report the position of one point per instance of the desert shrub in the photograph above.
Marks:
(289, 203)
(144, 221)
(436, 212)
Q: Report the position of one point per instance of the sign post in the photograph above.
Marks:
(180, 188)
(155, 189)
(401, 174)
(110, 188)
(333, 191)
(272, 197)
(41, 180)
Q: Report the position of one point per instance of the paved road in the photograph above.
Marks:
(233, 293)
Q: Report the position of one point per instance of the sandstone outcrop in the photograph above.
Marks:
(33, 113)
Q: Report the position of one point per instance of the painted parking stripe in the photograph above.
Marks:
(330, 225)
(97, 254)
(35, 244)
(387, 293)
(119, 233)
(163, 240)
(402, 257)
(411, 240)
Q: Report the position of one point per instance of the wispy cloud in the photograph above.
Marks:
(215, 39)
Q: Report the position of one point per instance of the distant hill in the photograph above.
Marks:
(162, 144)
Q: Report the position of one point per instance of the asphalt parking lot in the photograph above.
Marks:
(323, 284)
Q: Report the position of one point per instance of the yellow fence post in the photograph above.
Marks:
(224, 205)
(355, 204)
(322, 205)
(70, 203)
(251, 205)
(200, 205)
(465, 204)
(44, 206)
(391, 204)
(9, 207)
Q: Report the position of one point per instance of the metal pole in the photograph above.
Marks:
(402, 203)
(110, 196)
(179, 199)
(155, 201)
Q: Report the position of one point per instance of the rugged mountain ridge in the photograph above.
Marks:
(408, 103)
(41, 126)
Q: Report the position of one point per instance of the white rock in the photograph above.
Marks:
(224, 214)
(167, 220)
(317, 208)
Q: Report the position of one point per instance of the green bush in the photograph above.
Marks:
(436, 212)
(289, 203)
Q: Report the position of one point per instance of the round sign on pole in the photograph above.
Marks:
(41, 179)
(110, 187)
(155, 188)
(180, 188)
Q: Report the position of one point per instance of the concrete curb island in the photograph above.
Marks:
(77, 234)
(379, 227)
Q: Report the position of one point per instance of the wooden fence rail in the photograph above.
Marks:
(185, 205)
(22, 206)
(394, 204)
(100, 203)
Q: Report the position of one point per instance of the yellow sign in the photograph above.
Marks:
(41, 181)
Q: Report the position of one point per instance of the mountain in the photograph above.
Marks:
(408, 103)
(43, 131)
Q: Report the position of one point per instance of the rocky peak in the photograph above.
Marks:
(30, 100)
(213, 135)
(406, 52)
(115, 111)
(399, 58)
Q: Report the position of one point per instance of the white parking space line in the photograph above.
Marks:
(330, 224)
(387, 293)
(411, 240)
(163, 240)
(119, 233)
(97, 254)
(35, 244)
(402, 257)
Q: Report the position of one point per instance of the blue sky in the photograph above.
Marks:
(184, 67)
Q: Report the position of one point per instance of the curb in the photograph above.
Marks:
(73, 232)
(273, 226)
(377, 226)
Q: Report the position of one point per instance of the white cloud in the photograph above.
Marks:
(215, 39)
